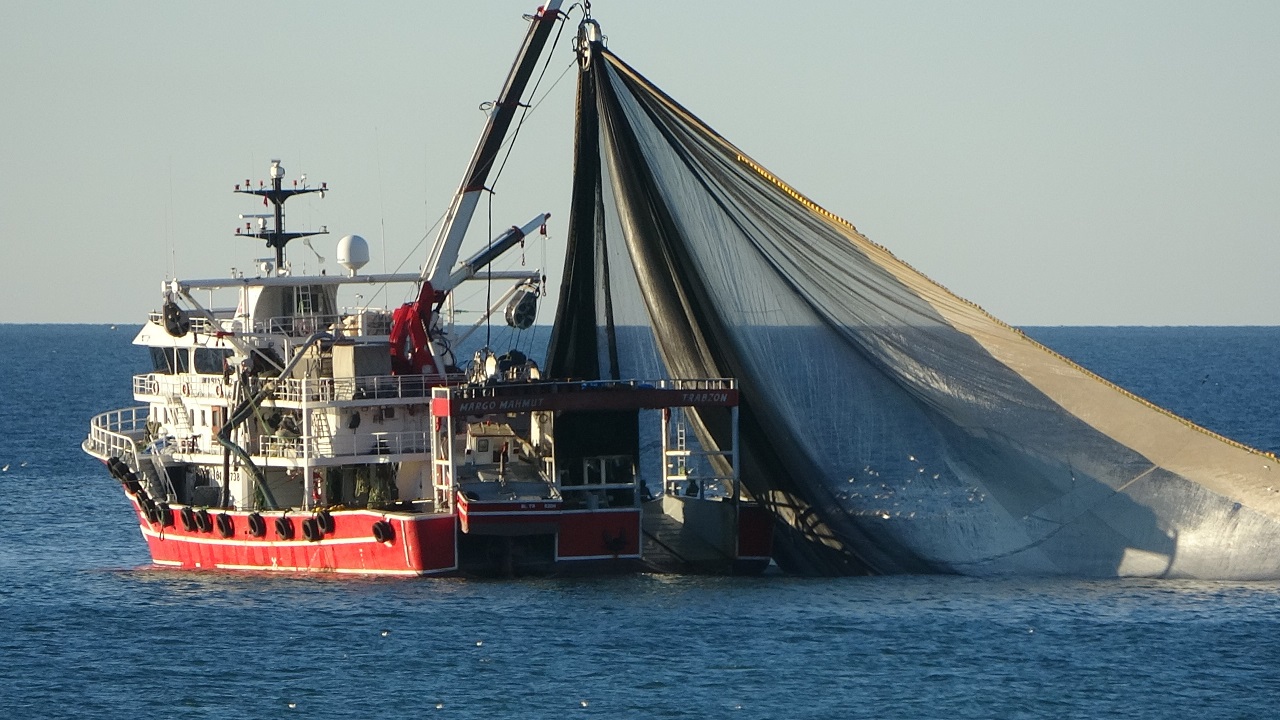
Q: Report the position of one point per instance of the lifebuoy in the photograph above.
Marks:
(188, 519)
(186, 389)
(257, 526)
(284, 528)
(226, 525)
(203, 522)
(383, 532)
(218, 389)
(311, 530)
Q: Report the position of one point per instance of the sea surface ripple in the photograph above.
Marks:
(89, 630)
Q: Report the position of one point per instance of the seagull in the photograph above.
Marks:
(5, 468)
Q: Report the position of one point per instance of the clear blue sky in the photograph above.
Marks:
(1057, 163)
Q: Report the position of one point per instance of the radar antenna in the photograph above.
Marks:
(275, 195)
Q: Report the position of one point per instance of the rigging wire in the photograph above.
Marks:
(168, 232)
(525, 113)
(421, 240)
(488, 290)
(510, 144)
(382, 203)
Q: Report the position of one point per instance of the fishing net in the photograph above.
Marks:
(889, 424)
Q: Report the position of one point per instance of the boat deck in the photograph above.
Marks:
(517, 483)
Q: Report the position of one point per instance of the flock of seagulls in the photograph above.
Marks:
(6, 466)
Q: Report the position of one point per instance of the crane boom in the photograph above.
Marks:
(413, 324)
(444, 253)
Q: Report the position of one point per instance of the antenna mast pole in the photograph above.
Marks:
(277, 194)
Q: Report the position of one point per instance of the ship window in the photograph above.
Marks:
(209, 361)
(618, 470)
(170, 360)
(482, 445)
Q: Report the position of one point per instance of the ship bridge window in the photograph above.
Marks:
(209, 361)
(169, 360)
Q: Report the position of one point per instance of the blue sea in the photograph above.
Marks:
(89, 630)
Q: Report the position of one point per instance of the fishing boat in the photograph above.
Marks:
(813, 399)
(278, 431)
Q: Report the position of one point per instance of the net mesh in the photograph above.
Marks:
(890, 425)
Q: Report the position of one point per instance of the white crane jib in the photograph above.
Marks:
(416, 342)
(438, 271)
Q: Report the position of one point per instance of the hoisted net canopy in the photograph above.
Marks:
(889, 424)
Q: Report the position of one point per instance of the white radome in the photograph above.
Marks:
(353, 253)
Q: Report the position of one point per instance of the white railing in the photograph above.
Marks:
(397, 443)
(274, 446)
(367, 323)
(297, 325)
(482, 391)
(413, 442)
(116, 433)
(372, 387)
(185, 385)
(199, 323)
(697, 384)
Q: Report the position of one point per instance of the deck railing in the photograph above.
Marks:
(199, 323)
(372, 387)
(184, 384)
(116, 433)
(392, 387)
(482, 391)
(323, 447)
(297, 325)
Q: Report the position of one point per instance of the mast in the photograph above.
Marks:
(276, 194)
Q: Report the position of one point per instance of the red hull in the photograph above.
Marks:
(418, 544)
(410, 544)
(599, 535)
(755, 533)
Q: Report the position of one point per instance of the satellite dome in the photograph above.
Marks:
(353, 253)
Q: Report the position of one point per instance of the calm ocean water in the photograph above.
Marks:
(87, 629)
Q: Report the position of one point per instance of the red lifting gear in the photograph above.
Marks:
(410, 341)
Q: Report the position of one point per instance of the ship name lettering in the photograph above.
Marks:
(706, 397)
(521, 404)
(474, 405)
